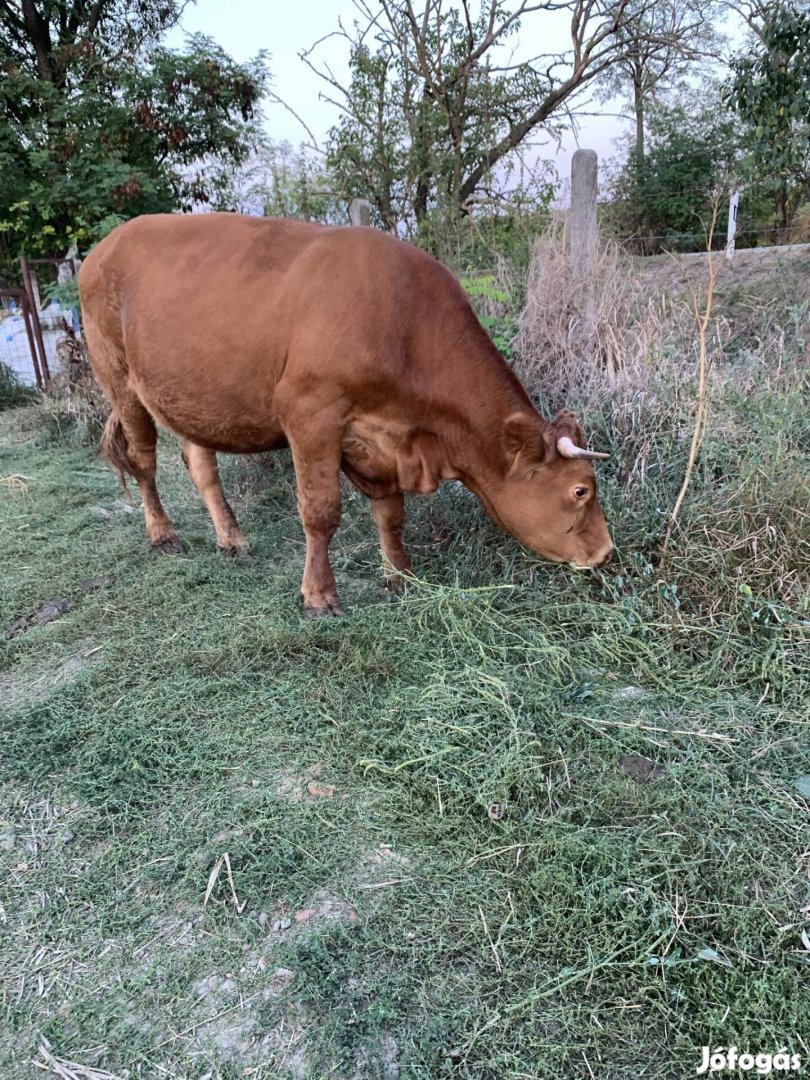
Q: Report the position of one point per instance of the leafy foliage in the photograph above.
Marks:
(663, 201)
(12, 391)
(770, 91)
(660, 42)
(279, 181)
(436, 116)
(100, 122)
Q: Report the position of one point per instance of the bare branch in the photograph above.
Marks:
(276, 100)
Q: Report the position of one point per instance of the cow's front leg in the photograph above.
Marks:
(317, 478)
(389, 515)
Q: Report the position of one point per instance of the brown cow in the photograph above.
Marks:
(353, 348)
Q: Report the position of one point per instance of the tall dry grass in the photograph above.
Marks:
(741, 546)
(599, 332)
(73, 401)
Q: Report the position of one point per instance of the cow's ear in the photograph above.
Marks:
(524, 442)
(566, 424)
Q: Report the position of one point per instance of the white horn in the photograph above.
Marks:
(568, 448)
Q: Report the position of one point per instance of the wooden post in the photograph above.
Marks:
(360, 212)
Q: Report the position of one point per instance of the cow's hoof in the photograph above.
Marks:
(331, 607)
(235, 551)
(168, 545)
(398, 583)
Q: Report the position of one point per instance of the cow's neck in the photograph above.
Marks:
(473, 445)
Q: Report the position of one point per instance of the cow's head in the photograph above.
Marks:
(547, 499)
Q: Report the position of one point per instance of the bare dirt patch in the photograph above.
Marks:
(29, 686)
(641, 769)
(229, 1025)
(296, 787)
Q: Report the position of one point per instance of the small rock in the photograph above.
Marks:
(496, 811)
(118, 506)
(264, 918)
(282, 924)
(628, 693)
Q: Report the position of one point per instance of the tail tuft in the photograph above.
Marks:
(115, 449)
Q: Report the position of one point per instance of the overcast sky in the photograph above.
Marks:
(243, 27)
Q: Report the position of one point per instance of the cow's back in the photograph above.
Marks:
(202, 315)
(188, 313)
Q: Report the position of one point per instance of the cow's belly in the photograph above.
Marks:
(234, 422)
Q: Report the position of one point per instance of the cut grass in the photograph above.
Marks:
(597, 926)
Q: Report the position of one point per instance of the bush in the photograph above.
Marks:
(12, 391)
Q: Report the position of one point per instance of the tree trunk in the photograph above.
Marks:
(423, 147)
(782, 206)
(40, 37)
(639, 148)
(638, 108)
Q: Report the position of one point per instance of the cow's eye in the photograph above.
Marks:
(580, 492)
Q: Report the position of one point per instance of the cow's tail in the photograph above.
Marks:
(115, 448)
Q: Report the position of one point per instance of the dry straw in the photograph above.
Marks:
(615, 346)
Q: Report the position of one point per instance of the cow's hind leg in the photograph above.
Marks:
(129, 442)
(315, 442)
(389, 515)
(203, 469)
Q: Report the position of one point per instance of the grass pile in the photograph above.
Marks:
(520, 823)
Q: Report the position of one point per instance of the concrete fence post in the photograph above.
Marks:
(582, 239)
(360, 212)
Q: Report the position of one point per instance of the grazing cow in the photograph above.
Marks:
(355, 349)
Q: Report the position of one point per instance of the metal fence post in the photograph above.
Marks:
(34, 311)
(25, 303)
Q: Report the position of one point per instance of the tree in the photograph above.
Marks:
(434, 109)
(659, 45)
(770, 92)
(694, 149)
(99, 122)
(280, 181)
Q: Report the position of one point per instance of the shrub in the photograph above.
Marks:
(12, 391)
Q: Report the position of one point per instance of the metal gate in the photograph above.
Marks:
(30, 330)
